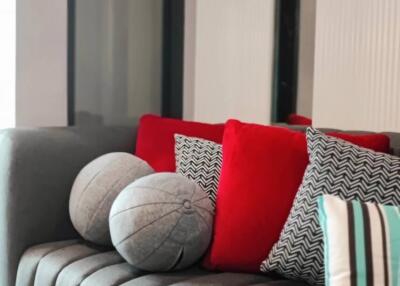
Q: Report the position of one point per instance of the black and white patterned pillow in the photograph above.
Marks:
(338, 168)
(199, 160)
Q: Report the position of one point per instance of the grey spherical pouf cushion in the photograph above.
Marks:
(95, 189)
(161, 222)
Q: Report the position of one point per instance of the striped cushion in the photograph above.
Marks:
(361, 242)
(199, 160)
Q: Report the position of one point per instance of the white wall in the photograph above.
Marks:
(7, 63)
(230, 74)
(41, 67)
(357, 65)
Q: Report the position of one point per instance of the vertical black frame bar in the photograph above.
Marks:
(71, 62)
(173, 53)
(287, 27)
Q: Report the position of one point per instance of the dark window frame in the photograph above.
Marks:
(287, 29)
(71, 62)
(284, 98)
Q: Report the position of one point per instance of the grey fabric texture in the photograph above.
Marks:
(53, 263)
(76, 263)
(30, 260)
(38, 168)
(162, 222)
(167, 278)
(76, 272)
(95, 189)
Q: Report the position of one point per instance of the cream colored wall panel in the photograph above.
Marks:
(357, 65)
(231, 75)
(189, 59)
(7, 63)
(41, 63)
(306, 58)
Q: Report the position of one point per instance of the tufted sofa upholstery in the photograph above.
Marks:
(74, 262)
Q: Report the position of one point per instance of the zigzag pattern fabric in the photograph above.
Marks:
(338, 168)
(199, 160)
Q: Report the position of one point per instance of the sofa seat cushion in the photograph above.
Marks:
(74, 262)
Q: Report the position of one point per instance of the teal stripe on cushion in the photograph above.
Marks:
(393, 220)
(398, 273)
(324, 225)
(360, 244)
(357, 272)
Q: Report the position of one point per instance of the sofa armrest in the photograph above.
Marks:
(37, 170)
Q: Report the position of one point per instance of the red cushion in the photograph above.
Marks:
(296, 119)
(155, 139)
(261, 172)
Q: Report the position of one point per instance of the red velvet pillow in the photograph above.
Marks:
(261, 172)
(155, 141)
(296, 119)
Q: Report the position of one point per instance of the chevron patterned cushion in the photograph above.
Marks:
(199, 160)
(338, 168)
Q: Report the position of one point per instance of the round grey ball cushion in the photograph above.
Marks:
(162, 222)
(95, 189)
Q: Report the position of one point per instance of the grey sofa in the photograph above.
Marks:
(37, 240)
